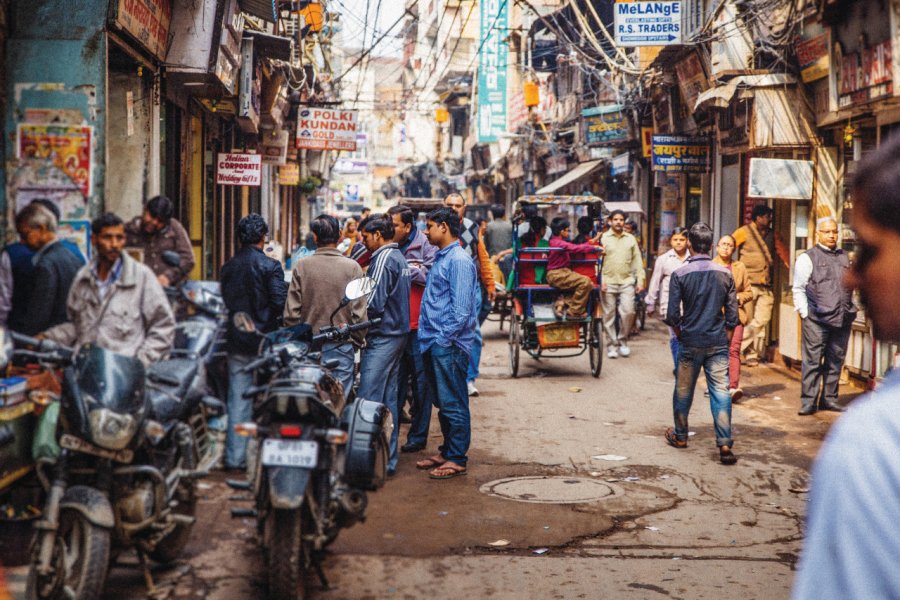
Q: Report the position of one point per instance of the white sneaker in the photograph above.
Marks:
(473, 391)
(612, 353)
(624, 350)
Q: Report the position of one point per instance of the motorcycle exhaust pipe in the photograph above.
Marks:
(184, 438)
(353, 502)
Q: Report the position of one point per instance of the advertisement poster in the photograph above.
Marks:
(813, 56)
(605, 125)
(77, 232)
(289, 174)
(691, 80)
(327, 129)
(680, 154)
(68, 146)
(239, 169)
(492, 65)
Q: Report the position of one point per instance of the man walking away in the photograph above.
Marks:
(317, 288)
(53, 272)
(623, 277)
(447, 327)
(419, 255)
(560, 274)
(379, 368)
(254, 284)
(156, 231)
(826, 312)
(756, 244)
(703, 312)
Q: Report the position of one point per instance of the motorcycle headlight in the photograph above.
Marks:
(111, 430)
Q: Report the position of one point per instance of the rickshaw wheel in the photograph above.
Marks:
(513, 346)
(595, 347)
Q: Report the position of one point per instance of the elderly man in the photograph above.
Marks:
(827, 311)
(116, 302)
(156, 231)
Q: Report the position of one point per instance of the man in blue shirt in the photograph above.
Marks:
(447, 335)
(703, 312)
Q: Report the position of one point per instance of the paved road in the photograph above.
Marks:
(668, 522)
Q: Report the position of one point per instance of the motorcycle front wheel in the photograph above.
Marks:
(285, 556)
(80, 561)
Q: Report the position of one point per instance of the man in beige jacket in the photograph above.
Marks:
(116, 302)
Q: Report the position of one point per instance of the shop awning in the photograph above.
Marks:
(721, 95)
(627, 207)
(575, 174)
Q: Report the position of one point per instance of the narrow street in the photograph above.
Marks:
(652, 521)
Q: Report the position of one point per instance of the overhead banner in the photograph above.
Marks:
(647, 23)
(492, 66)
(866, 75)
(605, 125)
(680, 154)
(239, 169)
(327, 129)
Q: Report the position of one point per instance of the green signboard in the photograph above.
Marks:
(492, 64)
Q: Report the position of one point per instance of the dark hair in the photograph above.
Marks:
(252, 229)
(407, 216)
(104, 221)
(616, 212)
(448, 217)
(498, 211)
(682, 231)
(383, 224)
(326, 228)
(558, 224)
(160, 208)
(479, 221)
(876, 183)
(49, 205)
(632, 223)
(584, 225)
(760, 210)
(535, 224)
(701, 238)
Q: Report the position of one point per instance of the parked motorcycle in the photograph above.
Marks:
(126, 472)
(316, 458)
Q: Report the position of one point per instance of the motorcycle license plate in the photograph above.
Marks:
(289, 453)
(75, 443)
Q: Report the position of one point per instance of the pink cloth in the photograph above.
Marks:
(734, 358)
(561, 258)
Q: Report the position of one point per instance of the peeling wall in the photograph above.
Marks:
(128, 154)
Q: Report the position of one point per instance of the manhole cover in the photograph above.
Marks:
(551, 490)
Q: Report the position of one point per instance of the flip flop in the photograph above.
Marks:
(432, 462)
(673, 441)
(454, 471)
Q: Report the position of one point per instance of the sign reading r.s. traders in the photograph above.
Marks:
(680, 154)
(148, 22)
(647, 23)
(327, 129)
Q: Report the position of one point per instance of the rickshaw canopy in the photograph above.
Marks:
(551, 200)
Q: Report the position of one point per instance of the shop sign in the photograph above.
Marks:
(647, 141)
(781, 178)
(148, 21)
(67, 146)
(289, 174)
(327, 129)
(273, 147)
(813, 57)
(605, 125)
(492, 66)
(620, 164)
(866, 75)
(647, 23)
(239, 169)
(691, 79)
(350, 166)
(680, 154)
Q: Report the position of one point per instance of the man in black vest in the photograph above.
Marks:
(827, 311)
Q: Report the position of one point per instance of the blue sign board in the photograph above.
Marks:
(492, 64)
(680, 154)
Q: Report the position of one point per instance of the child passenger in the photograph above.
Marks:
(560, 274)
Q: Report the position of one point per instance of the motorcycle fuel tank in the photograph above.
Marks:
(369, 425)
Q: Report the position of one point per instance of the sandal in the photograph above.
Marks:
(673, 440)
(448, 470)
(431, 462)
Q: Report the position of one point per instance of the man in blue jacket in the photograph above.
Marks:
(379, 367)
(254, 284)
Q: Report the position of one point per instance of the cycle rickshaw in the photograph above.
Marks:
(534, 328)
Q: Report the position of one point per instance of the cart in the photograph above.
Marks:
(534, 328)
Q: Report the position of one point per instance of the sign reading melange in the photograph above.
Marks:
(680, 154)
(238, 169)
(326, 129)
(647, 23)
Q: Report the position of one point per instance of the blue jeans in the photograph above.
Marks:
(412, 364)
(343, 353)
(445, 370)
(475, 355)
(379, 371)
(673, 346)
(714, 362)
(240, 410)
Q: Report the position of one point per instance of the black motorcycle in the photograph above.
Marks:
(125, 474)
(316, 458)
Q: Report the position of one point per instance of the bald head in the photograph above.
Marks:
(827, 232)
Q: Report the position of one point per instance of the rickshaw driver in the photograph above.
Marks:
(560, 274)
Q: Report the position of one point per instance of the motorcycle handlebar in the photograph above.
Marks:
(41, 345)
(336, 333)
(255, 364)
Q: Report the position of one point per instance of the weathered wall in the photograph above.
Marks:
(128, 153)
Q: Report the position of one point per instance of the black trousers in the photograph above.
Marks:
(824, 349)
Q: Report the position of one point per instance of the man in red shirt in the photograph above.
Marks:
(559, 272)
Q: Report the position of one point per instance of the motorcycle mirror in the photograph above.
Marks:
(243, 322)
(359, 287)
(171, 258)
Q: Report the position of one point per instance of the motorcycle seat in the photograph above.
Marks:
(173, 376)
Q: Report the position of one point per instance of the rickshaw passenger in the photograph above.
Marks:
(532, 238)
(560, 274)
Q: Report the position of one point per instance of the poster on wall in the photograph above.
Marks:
(492, 66)
(605, 125)
(239, 169)
(77, 232)
(781, 178)
(67, 146)
(680, 154)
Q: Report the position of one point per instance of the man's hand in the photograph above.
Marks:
(492, 294)
(495, 258)
(638, 289)
(163, 280)
(677, 331)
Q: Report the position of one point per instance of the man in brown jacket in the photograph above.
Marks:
(154, 232)
(316, 290)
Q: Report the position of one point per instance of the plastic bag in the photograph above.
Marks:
(44, 443)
